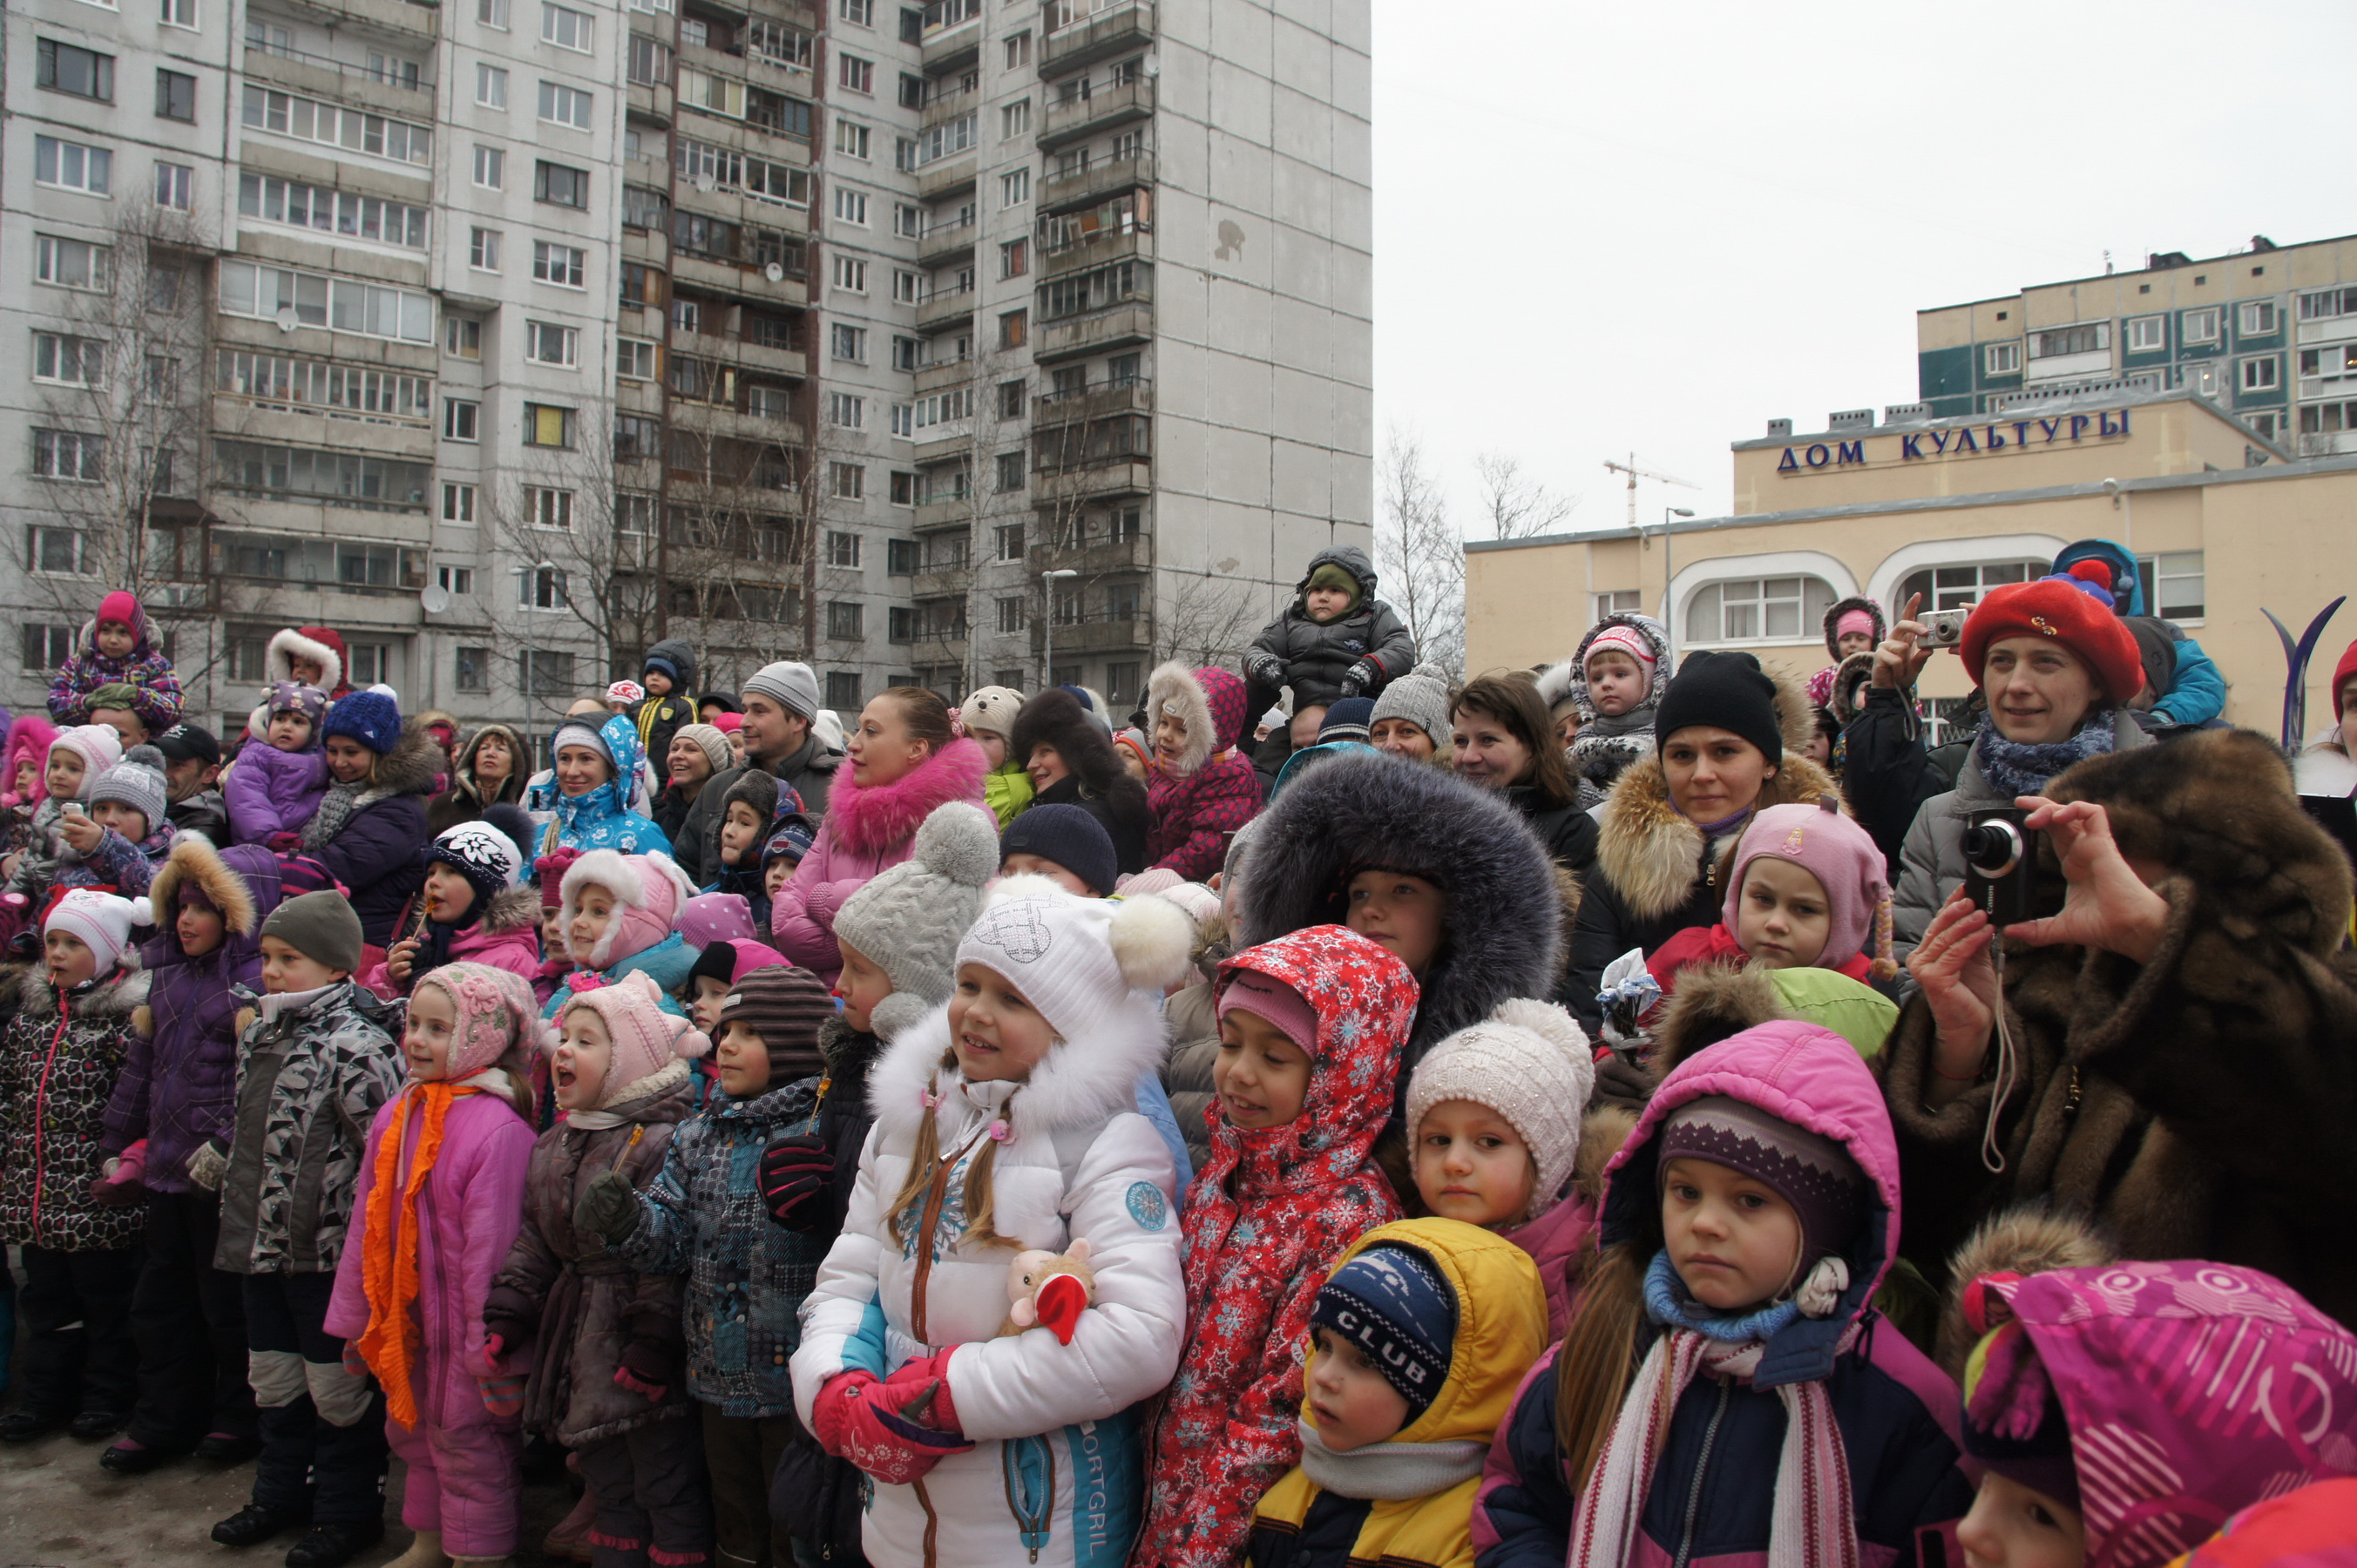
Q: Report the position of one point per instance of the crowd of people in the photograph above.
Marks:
(1442, 1123)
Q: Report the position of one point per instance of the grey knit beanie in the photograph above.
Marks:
(137, 781)
(1421, 697)
(787, 682)
(909, 919)
(711, 742)
(321, 927)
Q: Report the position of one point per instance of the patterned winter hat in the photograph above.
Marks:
(137, 781)
(295, 697)
(1395, 1305)
(550, 870)
(909, 919)
(99, 746)
(1076, 960)
(646, 1038)
(791, 837)
(1531, 1063)
(784, 1005)
(626, 692)
(486, 852)
(1809, 1171)
(710, 919)
(101, 920)
(648, 890)
(495, 1012)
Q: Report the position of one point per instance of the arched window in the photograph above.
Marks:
(1757, 609)
(1953, 587)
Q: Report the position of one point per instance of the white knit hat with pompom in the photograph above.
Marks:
(1530, 1063)
(1077, 960)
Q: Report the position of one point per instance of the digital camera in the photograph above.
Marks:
(2000, 853)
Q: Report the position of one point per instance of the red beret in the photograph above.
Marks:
(2340, 673)
(2061, 609)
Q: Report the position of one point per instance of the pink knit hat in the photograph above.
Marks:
(648, 891)
(99, 746)
(1860, 620)
(495, 1010)
(1277, 1004)
(646, 1038)
(1843, 858)
(1625, 640)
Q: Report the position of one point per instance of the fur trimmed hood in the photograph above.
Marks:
(194, 859)
(648, 889)
(1209, 702)
(1079, 1084)
(867, 819)
(314, 642)
(462, 777)
(116, 995)
(2027, 1240)
(30, 738)
(513, 908)
(1842, 607)
(1846, 676)
(1569, 679)
(411, 768)
(1367, 810)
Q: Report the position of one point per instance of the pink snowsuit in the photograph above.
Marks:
(463, 1478)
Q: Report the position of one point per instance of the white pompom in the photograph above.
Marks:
(1548, 1022)
(1822, 1291)
(1151, 938)
(1024, 885)
(959, 840)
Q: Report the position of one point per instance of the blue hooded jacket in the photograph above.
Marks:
(2198, 694)
(603, 819)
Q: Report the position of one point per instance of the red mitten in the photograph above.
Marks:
(354, 1362)
(903, 1387)
(855, 1419)
(501, 1396)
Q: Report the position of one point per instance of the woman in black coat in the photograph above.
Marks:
(1071, 761)
(1506, 742)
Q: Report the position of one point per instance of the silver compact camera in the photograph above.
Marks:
(1945, 629)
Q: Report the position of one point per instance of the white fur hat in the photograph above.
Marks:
(648, 891)
(1533, 1065)
(1077, 960)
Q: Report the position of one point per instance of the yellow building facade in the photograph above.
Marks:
(2224, 524)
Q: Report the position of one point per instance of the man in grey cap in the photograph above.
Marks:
(780, 700)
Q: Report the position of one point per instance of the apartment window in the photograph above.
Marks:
(634, 360)
(473, 669)
(547, 508)
(640, 283)
(483, 249)
(332, 478)
(908, 222)
(176, 95)
(1015, 119)
(462, 419)
(855, 75)
(1018, 50)
(540, 673)
(46, 647)
(490, 87)
(849, 343)
(842, 549)
(2084, 339)
(2332, 364)
(179, 14)
(559, 185)
(1073, 164)
(851, 139)
(899, 624)
(54, 552)
(454, 580)
(2148, 334)
(846, 411)
(1963, 585)
(344, 212)
(843, 691)
(1622, 601)
(490, 167)
(462, 337)
(2001, 360)
(1013, 328)
(906, 288)
(71, 165)
(66, 360)
(861, 13)
(545, 425)
(565, 27)
(2172, 584)
(2261, 374)
(73, 263)
(845, 621)
(1122, 601)
(1008, 536)
(851, 206)
(1015, 258)
(546, 343)
(637, 437)
(904, 488)
(647, 62)
(912, 96)
(850, 274)
(1755, 608)
(848, 481)
(1010, 472)
(904, 417)
(2260, 318)
(901, 556)
(1015, 187)
(1010, 616)
(2200, 326)
(562, 105)
(2327, 303)
(644, 208)
(68, 454)
(492, 14)
(458, 503)
(175, 186)
(64, 67)
(564, 265)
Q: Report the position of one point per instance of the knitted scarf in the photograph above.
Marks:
(389, 1257)
(1607, 744)
(2019, 768)
(1812, 1525)
(1389, 1472)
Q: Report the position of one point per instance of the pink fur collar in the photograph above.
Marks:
(866, 821)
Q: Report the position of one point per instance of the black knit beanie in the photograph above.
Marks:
(1722, 690)
(785, 1006)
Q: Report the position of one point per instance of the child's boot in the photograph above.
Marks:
(425, 1551)
(569, 1540)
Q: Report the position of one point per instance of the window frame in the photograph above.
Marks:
(170, 85)
(2259, 372)
(562, 265)
(2202, 324)
(557, 19)
(92, 158)
(2158, 328)
(1805, 625)
(46, 71)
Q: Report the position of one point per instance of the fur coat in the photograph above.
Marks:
(2198, 1105)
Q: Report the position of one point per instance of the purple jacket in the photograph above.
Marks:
(467, 1216)
(273, 791)
(377, 854)
(178, 1085)
(116, 863)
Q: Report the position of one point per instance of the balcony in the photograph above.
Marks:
(1112, 329)
(402, 18)
(317, 76)
(944, 310)
(1115, 242)
(1101, 37)
(1133, 396)
(1094, 184)
(652, 101)
(1094, 634)
(943, 107)
(943, 375)
(728, 277)
(946, 510)
(945, 242)
(1072, 119)
(954, 46)
(947, 177)
(732, 348)
(1095, 558)
(1122, 476)
(938, 579)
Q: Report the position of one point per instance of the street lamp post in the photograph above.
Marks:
(1048, 626)
(1669, 611)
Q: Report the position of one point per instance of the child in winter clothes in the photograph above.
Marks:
(21, 788)
(718, 971)
(667, 679)
(176, 1094)
(745, 1277)
(77, 760)
(118, 648)
(126, 834)
(1852, 626)
(371, 823)
(1203, 788)
(439, 1200)
(555, 958)
(988, 715)
(58, 1067)
(1726, 1392)
(748, 806)
(601, 790)
(1614, 683)
(598, 1343)
(1418, 1337)
(276, 787)
(617, 915)
(314, 1066)
(1496, 1130)
(1066, 845)
(309, 656)
(2118, 1413)
(1311, 1026)
(473, 907)
(791, 836)
(1335, 640)
(1005, 1122)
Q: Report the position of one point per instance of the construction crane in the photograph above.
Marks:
(1635, 473)
(1669, 617)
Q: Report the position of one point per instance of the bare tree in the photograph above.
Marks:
(1516, 505)
(1207, 620)
(1418, 552)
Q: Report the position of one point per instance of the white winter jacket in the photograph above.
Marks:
(1049, 1421)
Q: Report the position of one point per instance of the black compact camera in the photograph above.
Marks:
(2000, 853)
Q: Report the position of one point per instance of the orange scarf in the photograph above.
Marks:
(389, 1343)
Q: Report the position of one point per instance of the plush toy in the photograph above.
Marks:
(1049, 1288)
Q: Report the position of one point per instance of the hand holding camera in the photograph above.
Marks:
(1902, 656)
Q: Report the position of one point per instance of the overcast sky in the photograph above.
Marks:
(1605, 228)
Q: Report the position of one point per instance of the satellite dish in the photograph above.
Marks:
(287, 319)
(774, 272)
(704, 183)
(435, 598)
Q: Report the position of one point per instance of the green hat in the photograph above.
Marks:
(1331, 575)
(322, 927)
(1859, 1014)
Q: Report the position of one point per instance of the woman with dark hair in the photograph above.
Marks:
(490, 770)
(1071, 763)
(1505, 741)
(905, 760)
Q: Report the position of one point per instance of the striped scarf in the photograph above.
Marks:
(389, 1276)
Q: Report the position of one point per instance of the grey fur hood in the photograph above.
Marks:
(1569, 679)
(1351, 559)
(1504, 912)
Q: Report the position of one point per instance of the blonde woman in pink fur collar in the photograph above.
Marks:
(905, 760)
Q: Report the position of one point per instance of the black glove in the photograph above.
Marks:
(507, 1314)
(649, 1367)
(610, 1208)
(797, 1173)
(1267, 669)
(1623, 1082)
(1359, 678)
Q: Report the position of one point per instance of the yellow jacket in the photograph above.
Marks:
(1501, 1324)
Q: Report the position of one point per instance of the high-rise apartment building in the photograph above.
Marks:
(506, 335)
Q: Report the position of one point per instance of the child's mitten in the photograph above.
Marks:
(502, 1395)
(608, 1208)
(647, 1369)
(797, 1173)
(854, 1419)
(209, 1165)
